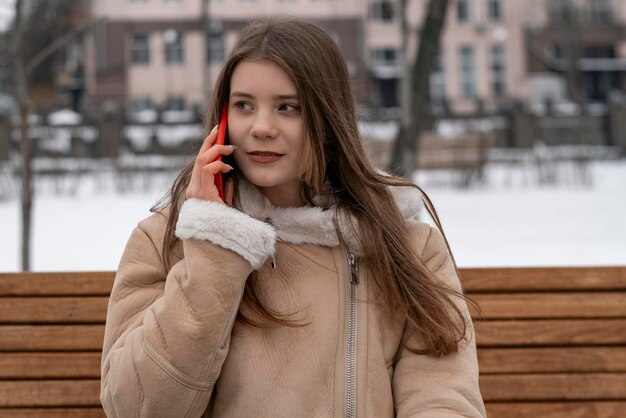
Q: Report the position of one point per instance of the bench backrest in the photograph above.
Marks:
(552, 341)
(51, 333)
(435, 152)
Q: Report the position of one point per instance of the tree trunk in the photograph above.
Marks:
(206, 66)
(26, 146)
(572, 50)
(404, 158)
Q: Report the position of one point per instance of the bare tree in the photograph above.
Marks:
(570, 27)
(404, 157)
(26, 145)
(37, 34)
(206, 31)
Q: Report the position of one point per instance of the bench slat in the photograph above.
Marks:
(556, 387)
(552, 360)
(32, 393)
(574, 332)
(62, 283)
(491, 360)
(606, 409)
(474, 280)
(552, 305)
(49, 365)
(52, 412)
(531, 279)
(543, 305)
(53, 309)
(51, 337)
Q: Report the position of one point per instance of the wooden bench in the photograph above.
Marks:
(465, 155)
(552, 342)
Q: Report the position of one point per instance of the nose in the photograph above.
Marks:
(264, 126)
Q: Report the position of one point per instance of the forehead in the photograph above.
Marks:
(261, 76)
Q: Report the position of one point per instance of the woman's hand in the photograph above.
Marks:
(202, 183)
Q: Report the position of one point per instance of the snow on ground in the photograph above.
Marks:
(510, 221)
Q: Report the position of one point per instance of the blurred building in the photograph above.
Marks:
(580, 49)
(166, 53)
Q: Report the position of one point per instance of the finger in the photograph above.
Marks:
(207, 157)
(209, 140)
(214, 168)
(208, 187)
(213, 152)
(210, 170)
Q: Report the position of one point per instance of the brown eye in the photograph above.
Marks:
(288, 107)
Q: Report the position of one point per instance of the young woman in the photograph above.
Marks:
(310, 290)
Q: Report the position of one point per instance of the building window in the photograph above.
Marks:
(468, 71)
(216, 48)
(438, 80)
(381, 10)
(139, 104)
(175, 103)
(494, 10)
(464, 10)
(498, 71)
(384, 56)
(562, 11)
(174, 53)
(600, 10)
(141, 49)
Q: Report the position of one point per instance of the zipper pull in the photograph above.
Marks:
(352, 266)
(273, 264)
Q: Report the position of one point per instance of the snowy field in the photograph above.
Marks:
(509, 221)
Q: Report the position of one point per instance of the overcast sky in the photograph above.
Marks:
(6, 13)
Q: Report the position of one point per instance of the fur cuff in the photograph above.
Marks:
(227, 227)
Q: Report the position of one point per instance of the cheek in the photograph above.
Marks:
(301, 138)
(234, 133)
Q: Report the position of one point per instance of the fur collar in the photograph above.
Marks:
(312, 224)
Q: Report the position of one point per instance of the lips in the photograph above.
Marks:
(264, 156)
(266, 153)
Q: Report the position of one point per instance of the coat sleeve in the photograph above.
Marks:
(438, 387)
(167, 333)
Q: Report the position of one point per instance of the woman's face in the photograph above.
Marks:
(266, 124)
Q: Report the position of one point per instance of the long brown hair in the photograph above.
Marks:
(335, 156)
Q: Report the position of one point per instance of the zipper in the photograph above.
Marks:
(353, 281)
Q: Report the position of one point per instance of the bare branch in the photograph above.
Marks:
(57, 44)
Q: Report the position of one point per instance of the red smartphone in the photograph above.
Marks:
(221, 139)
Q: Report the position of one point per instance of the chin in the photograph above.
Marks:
(262, 180)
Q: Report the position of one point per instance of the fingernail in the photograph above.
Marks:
(214, 129)
(232, 146)
(230, 166)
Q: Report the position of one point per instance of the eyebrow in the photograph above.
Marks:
(276, 97)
